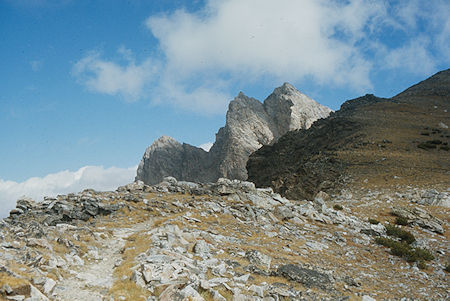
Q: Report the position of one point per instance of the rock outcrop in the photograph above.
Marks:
(250, 124)
(370, 141)
(226, 240)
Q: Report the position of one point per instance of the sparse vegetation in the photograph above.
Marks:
(404, 250)
(426, 145)
(403, 235)
(337, 207)
(400, 220)
(373, 221)
(447, 268)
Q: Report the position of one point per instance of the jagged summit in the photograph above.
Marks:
(250, 124)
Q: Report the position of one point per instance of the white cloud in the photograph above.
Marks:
(206, 146)
(231, 43)
(413, 57)
(95, 177)
(256, 38)
(111, 78)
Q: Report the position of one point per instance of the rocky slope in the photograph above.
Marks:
(249, 125)
(225, 241)
(370, 142)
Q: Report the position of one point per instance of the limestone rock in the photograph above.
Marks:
(307, 277)
(420, 217)
(250, 124)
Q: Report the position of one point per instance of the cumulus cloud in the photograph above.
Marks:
(95, 177)
(206, 146)
(108, 77)
(229, 43)
(256, 38)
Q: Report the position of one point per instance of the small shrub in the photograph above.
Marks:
(400, 220)
(426, 145)
(338, 207)
(436, 141)
(444, 147)
(373, 221)
(447, 268)
(419, 254)
(404, 236)
(404, 250)
(422, 265)
(425, 134)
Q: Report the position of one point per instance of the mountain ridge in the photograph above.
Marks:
(368, 138)
(249, 125)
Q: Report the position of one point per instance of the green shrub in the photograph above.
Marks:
(436, 141)
(404, 250)
(338, 207)
(426, 145)
(422, 265)
(447, 268)
(403, 235)
(419, 254)
(373, 221)
(444, 147)
(400, 220)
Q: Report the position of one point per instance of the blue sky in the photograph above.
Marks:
(86, 86)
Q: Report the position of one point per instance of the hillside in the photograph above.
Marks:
(370, 142)
(224, 241)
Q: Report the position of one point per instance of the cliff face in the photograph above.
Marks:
(370, 141)
(167, 157)
(250, 124)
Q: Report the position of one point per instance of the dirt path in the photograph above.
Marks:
(93, 280)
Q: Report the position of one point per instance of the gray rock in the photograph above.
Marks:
(49, 285)
(250, 124)
(36, 295)
(307, 277)
(201, 248)
(258, 258)
(420, 217)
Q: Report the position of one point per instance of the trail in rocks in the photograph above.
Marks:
(93, 280)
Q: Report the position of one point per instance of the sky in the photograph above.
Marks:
(86, 86)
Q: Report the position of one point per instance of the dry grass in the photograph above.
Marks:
(135, 245)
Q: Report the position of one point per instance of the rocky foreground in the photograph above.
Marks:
(227, 241)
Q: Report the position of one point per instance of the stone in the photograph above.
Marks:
(36, 295)
(189, 293)
(258, 258)
(420, 217)
(249, 125)
(307, 277)
(7, 289)
(49, 285)
(201, 248)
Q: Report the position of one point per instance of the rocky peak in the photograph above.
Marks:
(250, 124)
(163, 142)
(291, 110)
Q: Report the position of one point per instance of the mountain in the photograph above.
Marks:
(382, 236)
(250, 124)
(370, 141)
